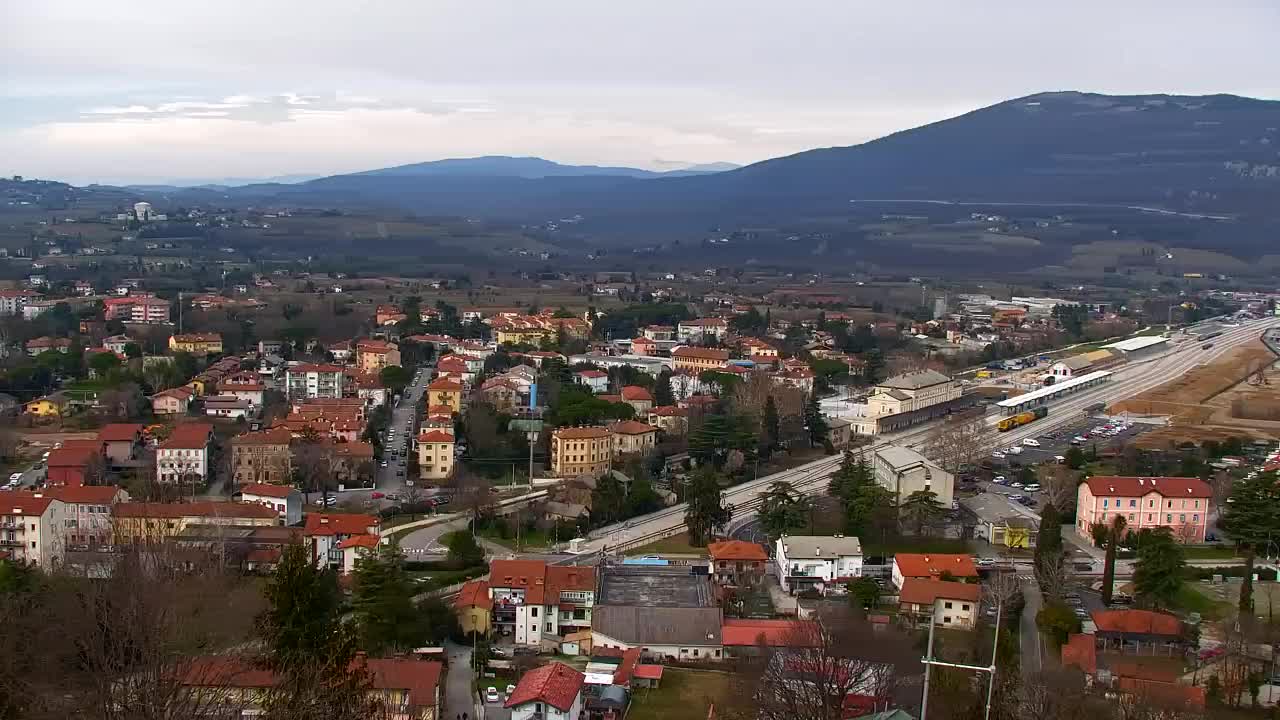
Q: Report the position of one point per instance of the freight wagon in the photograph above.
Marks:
(1021, 419)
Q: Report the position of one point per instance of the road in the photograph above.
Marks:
(401, 431)
(1032, 642)
(459, 697)
(811, 478)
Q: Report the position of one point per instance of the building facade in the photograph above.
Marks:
(806, 561)
(314, 381)
(903, 471)
(1183, 505)
(435, 454)
(581, 451)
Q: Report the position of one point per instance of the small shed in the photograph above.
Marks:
(648, 676)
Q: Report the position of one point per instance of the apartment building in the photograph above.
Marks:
(695, 330)
(697, 359)
(262, 457)
(87, 513)
(903, 471)
(1182, 505)
(445, 392)
(374, 355)
(12, 301)
(184, 457)
(932, 566)
(581, 451)
(196, 343)
(324, 532)
(737, 562)
(309, 380)
(435, 454)
(31, 528)
(531, 599)
(150, 310)
(809, 561)
(632, 437)
(947, 604)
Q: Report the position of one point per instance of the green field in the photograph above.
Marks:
(678, 544)
(682, 694)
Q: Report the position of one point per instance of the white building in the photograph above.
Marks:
(550, 692)
(87, 512)
(284, 499)
(691, 331)
(805, 561)
(903, 471)
(314, 381)
(532, 600)
(142, 211)
(31, 528)
(184, 457)
(12, 301)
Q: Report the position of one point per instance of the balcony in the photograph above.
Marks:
(11, 542)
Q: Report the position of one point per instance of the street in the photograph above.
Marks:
(458, 694)
(397, 443)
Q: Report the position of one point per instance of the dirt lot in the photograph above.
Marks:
(1210, 402)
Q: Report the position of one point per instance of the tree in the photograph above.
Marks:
(1157, 576)
(922, 509)
(439, 620)
(103, 363)
(1049, 550)
(864, 593)
(1075, 457)
(464, 551)
(706, 509)
(1058, 622)
(395, 378)
(662, 394)
(772, 428)
(959, 442)
(814, 421)
(382, 602)
(868, 507)
(1252, 518)
(783, 510)
(307, 646)
(1110, 536)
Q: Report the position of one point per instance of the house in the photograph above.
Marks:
(699, 359)
(948, 604)
(597, 381)
(31, 528)
(117, 344)
(744, 637)
(354, 548)
(550, 692)
(637, 397)
(174, 401)
(696, 330)
(922, 566)
(445, 392)
(1181, 504)
(474, 607)
(12, 301)
(659, 332)
(815, 561)
(49, 406)
(533, 600)
(405, 688)
(670, 419)
(581, 451)
(196, 343)
(374, 355)
(148, 522)
(632, 437)
(435, 454)
(1129, 628)
(307, 380)
(227, 406)
(644, 346)
(284, 499)
(44, 344)
(903, 471)
(502, 393)
(74, 466)
(184, 457)
(245, 386)
(262, 457)
(87, 513)
(737, 562)
(323, 533)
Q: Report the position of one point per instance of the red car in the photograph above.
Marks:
(376, 495)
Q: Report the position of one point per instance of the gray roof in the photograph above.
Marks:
(567, 510)
(636, 625)
(1077, 362)
(820, 547)
(915, 380)
(896, 456)
(896, 394)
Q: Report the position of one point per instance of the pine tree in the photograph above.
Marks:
(1157, 575)
(814, 421)
(706, 510)
(382, 602)
(662, 393)
(921, 508)
(772, 427)
(1252, 520)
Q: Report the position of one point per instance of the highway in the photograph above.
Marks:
(812, 478)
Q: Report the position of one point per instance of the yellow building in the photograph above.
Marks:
(473, 606)
(435, 454)
(581, 451)
(698, 359)
(143, 522)
(527, 336)
(445, 392)
(48, 406)
(374, 355)
(196, 343)
(632, 437)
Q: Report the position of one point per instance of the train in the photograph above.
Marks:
(1021, 419)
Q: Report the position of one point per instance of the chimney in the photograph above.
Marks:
(324, 520)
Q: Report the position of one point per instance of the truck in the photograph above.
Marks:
(1022, 418)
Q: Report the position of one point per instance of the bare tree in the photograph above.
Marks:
(961, 440)
(472, 493)
(1060, 483)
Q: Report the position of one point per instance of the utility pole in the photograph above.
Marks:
(929, 662)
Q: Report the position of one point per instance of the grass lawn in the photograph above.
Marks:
(1190, 599)
(528, 538)
(676, 544)
(682, 694)
(913, 544)
(1209, 552)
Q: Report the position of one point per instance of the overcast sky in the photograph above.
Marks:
(146, 91)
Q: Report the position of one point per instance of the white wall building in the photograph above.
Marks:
(808, 560)
(902, 471)
(31, 528)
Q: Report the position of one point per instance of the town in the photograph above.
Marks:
(626, 494)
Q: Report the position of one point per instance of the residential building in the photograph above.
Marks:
(49, 406)
(445, 392)
(356, 547)
(73, 466)
(697, 330)
(659, 332)
(474, 607)
(12, 301)
(196, 343)
(284, 499)
(1181, 504)
(666, 611)
(324, 532)
(144, 522)
(738, 562)
(581, 451)
(435, 454)
(117, 344)
(549, 692)
(939, 566)
(44, 344)
(502, 394)
(227, 406)
(699, 359)
(87, 513)
(637, 397)
(533, 600)
(948, 604)
(632, 437)
(670, 419)
(174, 401)
(817, 561)
(31, 526)
(262, 457)
(597, 381)
(374, 355)
(150, 310)
(36, 308)
(903, 471)
(314, 381)
(184, 457)
(644, 346)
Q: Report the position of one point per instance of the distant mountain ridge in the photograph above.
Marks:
(528, 168)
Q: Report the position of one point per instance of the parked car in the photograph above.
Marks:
(377, 495)
(999, 479)
(510, 689)
(1032, 487)
(1031, 442)
(14, 478)
(491, 695)
(997, 455)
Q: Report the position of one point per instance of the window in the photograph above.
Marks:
(695, 650)
(947, 605)
(946, 620)
(1197, 504)
(548, 627)
(1195, 518)
(965, 606)
(1150, 517)
(1133, 503)
(533, 612)
(1182, 518)
(1105, 502)
(1168, 518)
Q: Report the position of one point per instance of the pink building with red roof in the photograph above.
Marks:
(1181, 504)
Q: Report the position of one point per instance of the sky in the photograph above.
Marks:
(149, 91)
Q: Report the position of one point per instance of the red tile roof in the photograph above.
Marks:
(1139, 622)
(436, 436)
(932, 565)
(626, 668)
(737, 550)
(418, 678)
(338, 524)
(1081, 650)
(445, 385)
(636, 393)
(265, 490)
(364, 541)
(1192, 696)
(632, 427)
(919, 591)
(561, 578)
(195, 509)
(271, 436)
(581, 433)
(120, 432)
(188, 436)
(772, 633)
(1118, 486)
(556, 684)
(648, 672)
(71, 457)
(701, 353)
(84, 494)
(474, 594)
(24, 504)
(592, 374)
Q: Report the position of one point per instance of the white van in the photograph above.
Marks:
(1031, 442)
